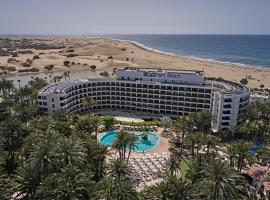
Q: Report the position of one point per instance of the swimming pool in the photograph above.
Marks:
(259, 144)
(141, 145)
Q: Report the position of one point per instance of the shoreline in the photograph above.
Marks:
(194, 58)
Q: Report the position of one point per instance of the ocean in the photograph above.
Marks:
(241, 50)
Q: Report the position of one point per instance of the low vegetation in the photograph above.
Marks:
(66, 63)
(104, 74)
(26, 64)
(244, 81)
(36, 57)
(12, 60)
(28, 70)
(8, 68)
(71, 55)
(140, 124)
(70, 51)
(48, 67)
(93, 67)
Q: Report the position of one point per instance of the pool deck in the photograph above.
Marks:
(162, 147)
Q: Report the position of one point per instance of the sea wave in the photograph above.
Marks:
(209, 60)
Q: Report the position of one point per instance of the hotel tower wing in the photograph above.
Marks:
(151, 93)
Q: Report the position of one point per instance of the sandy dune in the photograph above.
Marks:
(107, 54)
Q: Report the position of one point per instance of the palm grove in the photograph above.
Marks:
(59, 157)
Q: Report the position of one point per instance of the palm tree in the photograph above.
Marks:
(89, 124)
(131, 144)
(70, 183)
(210, 141)
(199, 141)
(118, 169)
(194, 140)
(205, 118)
(259, 113)
(86, 125)
(222, 181)
(42, 153)
(12, 134)
(103, 152)
(19, 82)
(194, 168)
(37, 83)
(243, 155)
(180, 127)
(104, 189)
(171, 188)
(72, 152)
(88, 102)
(250, 130)
(61, 115)
(5, 188)
(166, 122)
(6, 86)
(114, 71)
(173, 165)
(40, 124)
(66, 74)
(230, 150)
(57, 79)
(23, 94)
(183, 125)
(63, 128)
(96, 157)
(190, 141)
(125, 189)
(201, 121)
(110, 189)
(50, 76)
(265, 156)
(25, 183)
(97, 121)
(121, 144)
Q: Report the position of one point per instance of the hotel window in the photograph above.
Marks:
(225, 123)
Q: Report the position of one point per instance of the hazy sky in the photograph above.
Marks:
(134, 16)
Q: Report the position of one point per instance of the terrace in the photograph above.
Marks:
(259, 178)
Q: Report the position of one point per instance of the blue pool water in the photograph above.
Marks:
(258, 145)
(141, 145)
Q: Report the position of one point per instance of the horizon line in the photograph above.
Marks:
(120, 34)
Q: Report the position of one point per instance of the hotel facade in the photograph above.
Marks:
(151, 93)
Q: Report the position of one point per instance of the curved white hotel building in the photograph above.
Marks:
(151, 93)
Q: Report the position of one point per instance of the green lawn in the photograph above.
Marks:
(184, 166)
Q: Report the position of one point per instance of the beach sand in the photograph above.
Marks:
(107, 54)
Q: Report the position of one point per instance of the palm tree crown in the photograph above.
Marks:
(222, 181)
